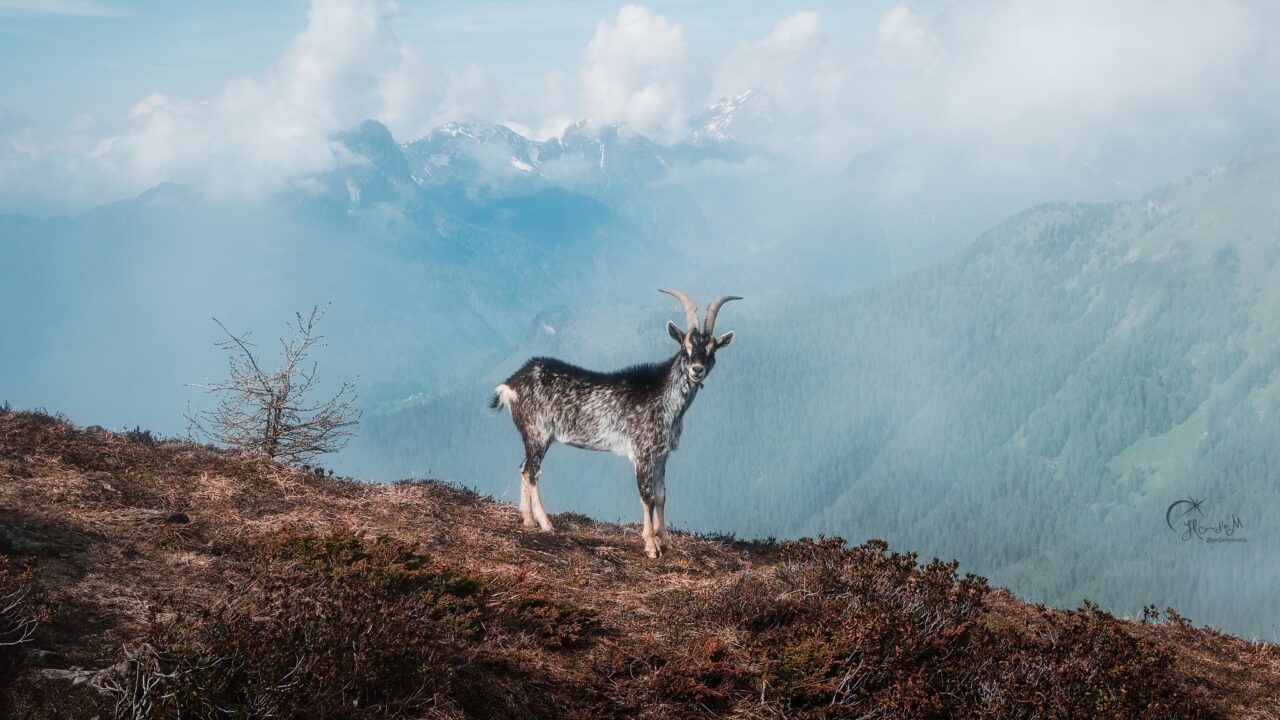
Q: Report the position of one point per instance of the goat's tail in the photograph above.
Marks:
(503, 396)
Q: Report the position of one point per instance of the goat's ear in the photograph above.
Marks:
(675, 332)
(724, 340)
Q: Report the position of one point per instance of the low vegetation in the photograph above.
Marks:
(162, 579)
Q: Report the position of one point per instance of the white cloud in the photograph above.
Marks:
(636, 73)
(799, 84)
(257, 135)
(1019, 87)
(260, 134)
(902, 37)
(791, 53)
(1025, 93)
(1039, 99)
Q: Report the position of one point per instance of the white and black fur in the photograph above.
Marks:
(637, 412)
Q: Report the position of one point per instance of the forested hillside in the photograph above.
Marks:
(1032, 406)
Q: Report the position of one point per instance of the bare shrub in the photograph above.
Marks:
(22, 609)
(270, 411)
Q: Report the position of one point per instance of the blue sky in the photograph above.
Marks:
(102, 99)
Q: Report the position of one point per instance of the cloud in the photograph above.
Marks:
(903, 38)
(1036, 98)
(798, 84)
(1016, 87)
(636, 73)
(791, 53)
(258, 135)
(1031, 97)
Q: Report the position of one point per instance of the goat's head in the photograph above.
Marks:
(699, 344)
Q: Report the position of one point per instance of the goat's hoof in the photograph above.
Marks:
(529, 523)
(548, 529)
(664, 542)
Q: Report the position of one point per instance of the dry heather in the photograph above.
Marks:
(165, 579)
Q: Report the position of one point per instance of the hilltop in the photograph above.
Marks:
(171, 577)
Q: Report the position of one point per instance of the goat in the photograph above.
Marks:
(637, 412)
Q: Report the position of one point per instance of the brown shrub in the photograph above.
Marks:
(873, 631)
(557, 624)
(706, 672)
(332, 627)
(862, 631)
(1076, 664)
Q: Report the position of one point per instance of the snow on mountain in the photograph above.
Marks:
(730, 118)
(463, 153)
(460, 152)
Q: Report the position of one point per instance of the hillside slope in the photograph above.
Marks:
(174, 578)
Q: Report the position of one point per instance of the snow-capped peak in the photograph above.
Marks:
(723, 119)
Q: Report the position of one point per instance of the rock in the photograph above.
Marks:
(16, 541)
(178, 518)
(43, 656)
(92, 678)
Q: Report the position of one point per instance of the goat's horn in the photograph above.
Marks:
(690, 310)
(714, 308)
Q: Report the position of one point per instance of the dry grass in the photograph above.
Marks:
(163, 555)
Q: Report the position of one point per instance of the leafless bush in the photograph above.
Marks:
(136, 684)
(17, 622)
(22, 609)
(270, 411)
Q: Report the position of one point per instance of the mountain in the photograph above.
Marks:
(424, 277)
(436, 254)
(458, 154)
(729, 118)
(147, 579)
(377, 172)
(600, 161)
(1035, 406)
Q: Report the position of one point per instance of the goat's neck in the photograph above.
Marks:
(679, 391)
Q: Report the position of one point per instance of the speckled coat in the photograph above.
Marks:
(637, 412)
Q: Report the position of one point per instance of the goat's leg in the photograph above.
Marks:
(532, 473)
(644, 480)
(659, 483)
(526, 496)
(540, 513)
(530, 500)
